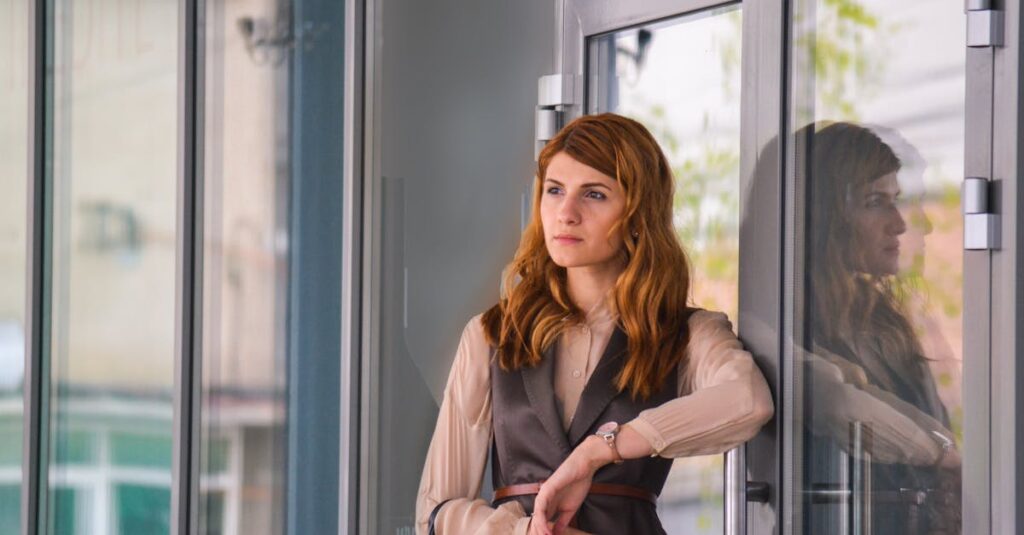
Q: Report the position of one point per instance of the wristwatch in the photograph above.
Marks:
(947, 445)
(608, 431)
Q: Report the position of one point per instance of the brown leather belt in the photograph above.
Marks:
(606, 489)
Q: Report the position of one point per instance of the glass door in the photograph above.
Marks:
(876, 287)
(678, 72)
(819, 163)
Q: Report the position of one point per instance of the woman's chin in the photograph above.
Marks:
(567, 263)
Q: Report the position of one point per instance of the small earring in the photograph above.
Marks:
(636, 234)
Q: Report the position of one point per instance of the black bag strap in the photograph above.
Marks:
(433, 515)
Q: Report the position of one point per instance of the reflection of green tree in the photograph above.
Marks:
(846, 52)
(706, 203)
(844, 58)
(706, 216)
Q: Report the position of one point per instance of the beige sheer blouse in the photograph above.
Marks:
(723, 401)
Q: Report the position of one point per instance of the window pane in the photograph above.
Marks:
(272, 254)
(75, 447)
(10, 509)
(691, 103)
(245, 372)
(14, 177)
(879, 134)
(70, 514)
(128, 449)
(143, 509)
(111, 294)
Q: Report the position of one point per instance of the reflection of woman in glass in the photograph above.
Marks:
(591, 373)
(863, 340)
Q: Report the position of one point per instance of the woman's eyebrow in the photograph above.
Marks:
(587, 185)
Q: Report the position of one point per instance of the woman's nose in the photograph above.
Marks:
(568, 212)
(897, 225)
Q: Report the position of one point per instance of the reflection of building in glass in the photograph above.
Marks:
(113, 308)
(112, 463)
(14, 175)
(246, 286)
(10, 460)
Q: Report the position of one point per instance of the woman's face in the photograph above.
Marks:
(578, 207)
(877, 226)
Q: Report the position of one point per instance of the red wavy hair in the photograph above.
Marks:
(650, 295)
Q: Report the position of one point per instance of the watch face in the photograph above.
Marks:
(608, 427)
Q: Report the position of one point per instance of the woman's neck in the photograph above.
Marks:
(588, 285)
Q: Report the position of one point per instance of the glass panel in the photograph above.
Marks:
(10, 509)
(247, 175)
(681, 79)
(879, 136)
(70, 511)
(135, 450)
(114, 147)
(14, 177)
(75, 447)
(271, 279)
(456, 171)
(142, 509)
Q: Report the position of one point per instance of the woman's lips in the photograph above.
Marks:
(566, 240)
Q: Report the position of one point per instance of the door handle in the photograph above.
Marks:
(860, 478)
(739, 491)
(853, 493)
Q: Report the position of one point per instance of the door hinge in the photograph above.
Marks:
(981, 225)
(554, 94)
(984, 24)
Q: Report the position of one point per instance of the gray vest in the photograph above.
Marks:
(530, 442)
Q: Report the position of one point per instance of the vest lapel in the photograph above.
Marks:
(600, 388)
(539, 384)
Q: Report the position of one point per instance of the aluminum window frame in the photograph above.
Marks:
(354, 417)
(1006, 417)
(35, 384)
(977, 312)
(186, 450)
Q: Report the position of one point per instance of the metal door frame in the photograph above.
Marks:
(1003, 469)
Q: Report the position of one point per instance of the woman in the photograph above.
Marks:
(591, 373)
(862, 337)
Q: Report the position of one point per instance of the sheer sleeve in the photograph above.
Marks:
(724, 399)
(457, 456)
(842, 394)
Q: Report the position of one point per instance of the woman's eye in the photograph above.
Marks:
(554, 190)
(874, 202)
(596, 195)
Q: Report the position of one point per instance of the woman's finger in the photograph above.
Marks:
(563, 521)
(540, 516)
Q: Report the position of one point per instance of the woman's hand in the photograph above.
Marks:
(562, 494)
(568, 531)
